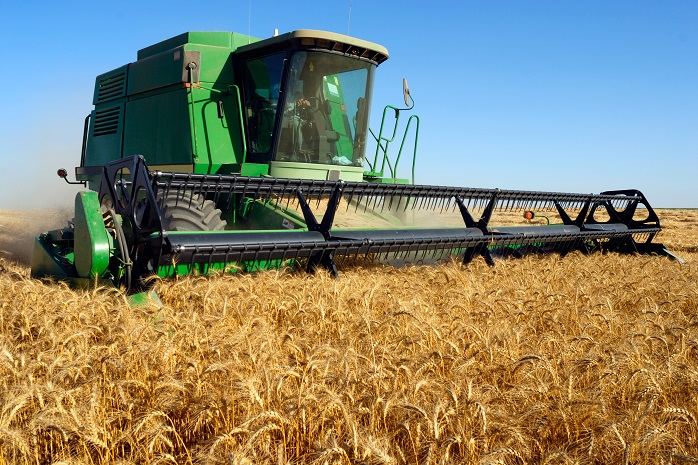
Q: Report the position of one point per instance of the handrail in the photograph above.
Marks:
(404, 137)
(380, 147)
(387, 141)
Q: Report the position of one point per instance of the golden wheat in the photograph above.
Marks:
(538, 360)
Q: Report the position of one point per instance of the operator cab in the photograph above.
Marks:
(306, 97)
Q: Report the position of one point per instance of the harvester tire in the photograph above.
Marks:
(190, 212)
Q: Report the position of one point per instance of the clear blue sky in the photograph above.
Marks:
(578, 96)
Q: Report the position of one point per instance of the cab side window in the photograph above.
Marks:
(261, 86)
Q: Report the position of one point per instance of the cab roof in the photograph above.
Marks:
(325, 40)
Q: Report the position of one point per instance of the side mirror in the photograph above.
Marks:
(406, 92)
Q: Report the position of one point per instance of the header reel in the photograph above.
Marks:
(146, 244)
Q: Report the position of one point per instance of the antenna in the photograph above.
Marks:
(349, 18)
(249, 21)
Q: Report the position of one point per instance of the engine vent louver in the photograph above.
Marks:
(112, 86)
(106, 121)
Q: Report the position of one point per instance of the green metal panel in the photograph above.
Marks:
(93, 244)
(230, 40)
(297, 170)
(157, 127)
(106, 134)
(254, 169)
(161, 70)
(110, 85)
(216, 136)
(216, 65)
(213, 67)
(170, 66)
(106, 121)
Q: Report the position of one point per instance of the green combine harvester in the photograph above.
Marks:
(216, 151)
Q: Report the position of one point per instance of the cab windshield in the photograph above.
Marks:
(325, 114)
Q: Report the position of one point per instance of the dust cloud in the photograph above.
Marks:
(18, 228)
(33, 199)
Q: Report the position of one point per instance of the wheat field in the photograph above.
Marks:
(542, 360)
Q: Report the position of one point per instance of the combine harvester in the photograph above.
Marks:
(246, 149)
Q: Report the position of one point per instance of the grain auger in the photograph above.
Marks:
(254, 157)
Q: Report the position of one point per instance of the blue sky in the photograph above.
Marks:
(578, 96)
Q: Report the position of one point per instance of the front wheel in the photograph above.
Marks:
(190, 212)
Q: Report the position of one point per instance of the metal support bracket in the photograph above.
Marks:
(487, 214)
(126, 188)
(579, 222)
(482, 250)
(324, 258)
